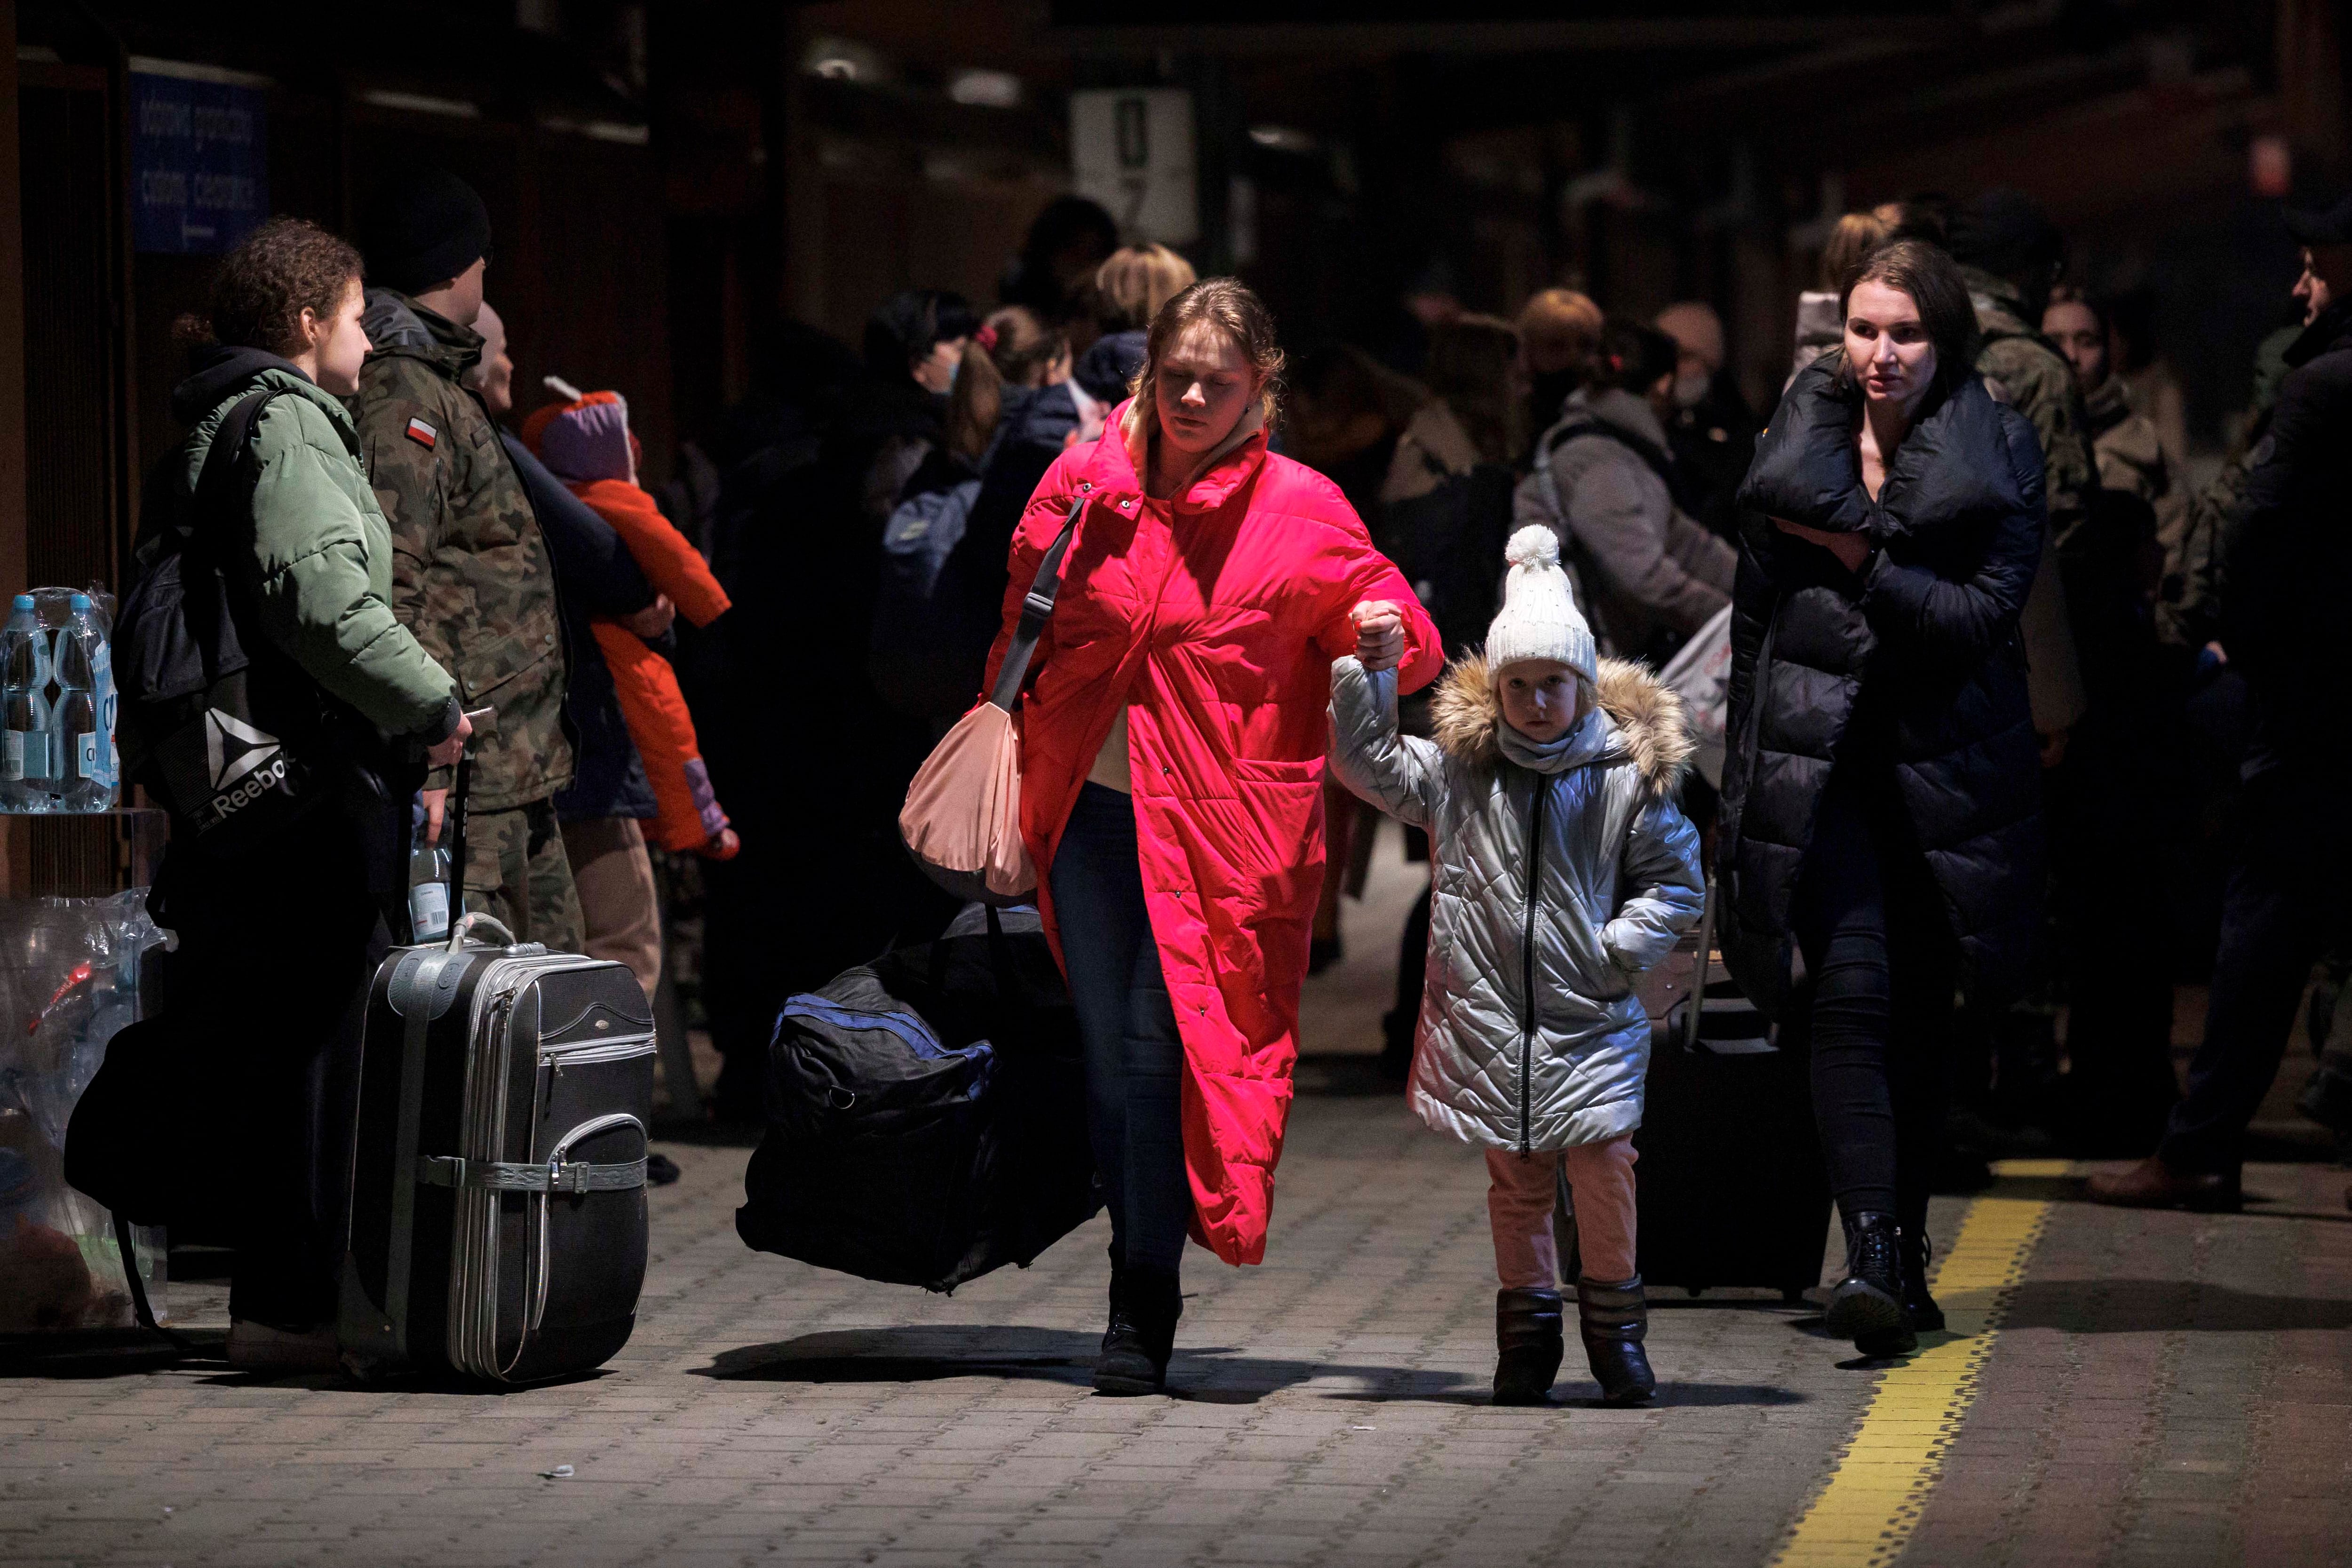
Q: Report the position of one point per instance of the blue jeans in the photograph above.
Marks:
(1134, 1057)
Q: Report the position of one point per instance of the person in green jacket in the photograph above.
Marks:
(278, 943)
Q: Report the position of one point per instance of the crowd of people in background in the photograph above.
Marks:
(789, 624)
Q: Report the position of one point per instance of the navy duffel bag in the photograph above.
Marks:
(926, 1114)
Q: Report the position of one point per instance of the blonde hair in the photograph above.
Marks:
(1231, 307)
(1850, 244)
(1131, 286)
(1561, 330)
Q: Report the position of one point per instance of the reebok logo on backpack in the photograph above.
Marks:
(252, 747)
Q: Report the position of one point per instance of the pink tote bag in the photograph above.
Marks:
(961, 821)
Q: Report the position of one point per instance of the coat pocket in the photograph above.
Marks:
(1259, 769)
(504, 660)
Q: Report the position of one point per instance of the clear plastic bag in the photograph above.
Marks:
(70, 974)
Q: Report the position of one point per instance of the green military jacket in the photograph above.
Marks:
(318, 557)
(2035, 379)
(472, 576)
(2189, 611)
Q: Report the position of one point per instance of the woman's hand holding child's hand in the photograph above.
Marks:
(1379, 634)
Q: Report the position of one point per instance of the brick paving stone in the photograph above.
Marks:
(2141, 1407)
(2174, 1386)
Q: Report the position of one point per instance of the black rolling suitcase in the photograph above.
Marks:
(497, 1195)
(926, 1114)
(1730, 1183)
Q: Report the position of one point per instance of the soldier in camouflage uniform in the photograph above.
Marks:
(472, 577)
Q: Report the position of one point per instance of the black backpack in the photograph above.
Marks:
(224, 731)
(926, 1115)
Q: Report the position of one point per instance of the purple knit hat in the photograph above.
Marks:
(589, 441)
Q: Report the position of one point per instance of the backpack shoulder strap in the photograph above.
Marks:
(1654, 457)
(226, 467)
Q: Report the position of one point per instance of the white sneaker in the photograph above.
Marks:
(257, 1347)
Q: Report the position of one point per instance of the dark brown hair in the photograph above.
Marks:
(1933, 280)
(261, 289)
(2101, 309)
(1231, 306)
(1012, 345)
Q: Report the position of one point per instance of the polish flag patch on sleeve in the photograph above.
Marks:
(420, 433)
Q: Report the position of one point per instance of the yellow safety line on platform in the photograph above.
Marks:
(1879, 1486)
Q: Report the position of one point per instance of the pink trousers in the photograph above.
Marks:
(1519, 1201)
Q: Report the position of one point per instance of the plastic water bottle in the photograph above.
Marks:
(110, 701)
(85, 773)
(27, 757)
(428, 891)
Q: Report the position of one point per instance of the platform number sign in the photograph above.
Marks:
(1132, 149)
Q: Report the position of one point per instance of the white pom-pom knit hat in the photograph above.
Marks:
(1540, 618)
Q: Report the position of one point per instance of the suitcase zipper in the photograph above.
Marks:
(473, 1302)
(1528, 955)
(536, 1293)
(622, 1049)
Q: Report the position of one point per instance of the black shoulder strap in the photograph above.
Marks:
(140, 1306)
(1641, 447)
(1035, 610)
(225, 467)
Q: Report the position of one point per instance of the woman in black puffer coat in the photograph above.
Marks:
(1882, 797)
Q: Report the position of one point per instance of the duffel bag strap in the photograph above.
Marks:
(504, 1176)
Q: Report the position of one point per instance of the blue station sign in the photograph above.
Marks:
(199, 162)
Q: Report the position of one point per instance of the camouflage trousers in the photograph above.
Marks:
(517, 872)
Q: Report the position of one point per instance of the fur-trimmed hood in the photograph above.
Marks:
(1465, 716)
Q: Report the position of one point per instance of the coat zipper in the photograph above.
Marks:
(1528, 957)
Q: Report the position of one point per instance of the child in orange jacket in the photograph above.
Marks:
(587, 443)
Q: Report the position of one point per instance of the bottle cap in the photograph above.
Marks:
(24, 602)
(77, 604)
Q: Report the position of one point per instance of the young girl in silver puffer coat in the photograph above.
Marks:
(1562, 870)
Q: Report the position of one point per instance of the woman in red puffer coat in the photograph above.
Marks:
(1172, 764)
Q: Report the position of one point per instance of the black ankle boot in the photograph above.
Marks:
(1528, 1346)
(1612, 1320)
(1145, 1305)
(1867, 1305)
(1916, 1251)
